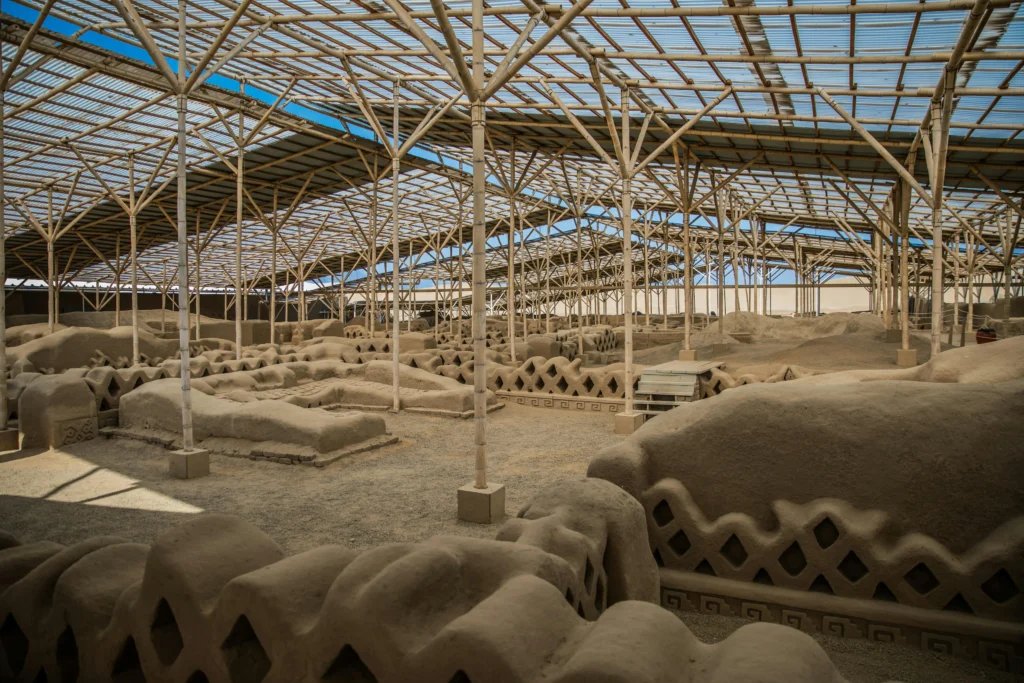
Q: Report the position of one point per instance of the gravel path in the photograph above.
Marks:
(403, 492)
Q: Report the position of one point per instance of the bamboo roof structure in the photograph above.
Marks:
(795, 119)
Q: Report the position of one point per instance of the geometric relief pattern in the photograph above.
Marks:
(1006, 655)
(827, 546)
(73, 431)
(558, 376)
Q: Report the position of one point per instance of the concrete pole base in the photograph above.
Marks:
(482, 506)
(190, 464)
(9, 440)
(893, 335)
(627, 423)
(906, 358)
(685, 354)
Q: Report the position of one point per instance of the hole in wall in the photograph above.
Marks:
(165, 635)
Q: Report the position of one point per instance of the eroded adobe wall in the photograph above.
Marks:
(564, 595)
(875, 507)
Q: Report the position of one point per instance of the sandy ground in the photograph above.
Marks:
(404, 492)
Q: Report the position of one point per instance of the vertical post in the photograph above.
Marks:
(163, 300)
(199, 282)
(627, 250)
(902, 195)
(579, 268)
(3, 276)
(50, 303)
(732, 211)
(969, 323)
(547, 280)
(373, 252)
(437, 275)
(664, 278)
(479, 257)
(395, 169)
(186, 376)
(239, 187)
(684, 187)
(755, 229)
(510, 288)
(342, 315)
(273, 270)
(647, 268)
(956, 288)
(720, 303)
(941, 111)
(136, 357)
(117, 278)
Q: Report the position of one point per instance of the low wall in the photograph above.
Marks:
(563, 595)
(877, 504)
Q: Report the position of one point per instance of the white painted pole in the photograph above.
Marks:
(479, 256)
(3, 273)
(239, 189)
(627, 236)
(395, 169)
(136, 357)
(186, 376)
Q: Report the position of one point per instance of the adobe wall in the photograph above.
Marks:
(563, 595)
(878, 504)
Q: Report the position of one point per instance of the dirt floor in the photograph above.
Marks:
(404, 492)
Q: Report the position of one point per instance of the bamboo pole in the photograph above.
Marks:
(902, 195)
(941, 111)
(239, 190)
(969, 323)
(627, 236)
(3, 268)
(273, 270)
(50, 301)
(479, 255)
(547, 280)
(510, 294)
(720, 303)
(395, 254)
(579, 269)
(186, 375)
(664, 278)
(683, 181)
(136, 357)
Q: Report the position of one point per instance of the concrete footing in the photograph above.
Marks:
(9, 440)
(687, 354)
(906, 358)
(190, 464)
(482, 506)
(627, 423)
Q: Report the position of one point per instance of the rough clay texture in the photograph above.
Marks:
(156, 407)
(55, 411)
(762, 328)
(215, 599)
(999, 361)
(76, 347)
(862, 489)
